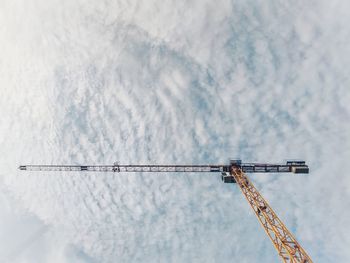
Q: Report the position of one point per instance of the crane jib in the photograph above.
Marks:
(285, 243)
(245, 167)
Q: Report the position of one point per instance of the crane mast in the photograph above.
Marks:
(285, 243)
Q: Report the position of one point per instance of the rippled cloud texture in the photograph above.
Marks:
(172, 82)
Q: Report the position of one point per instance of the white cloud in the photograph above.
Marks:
(175, 82)
(25, 238)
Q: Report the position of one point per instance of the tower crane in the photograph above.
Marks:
(285, 243)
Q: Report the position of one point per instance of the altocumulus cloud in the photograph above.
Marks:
(173, 82)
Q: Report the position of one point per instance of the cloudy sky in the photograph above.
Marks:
(164, 81)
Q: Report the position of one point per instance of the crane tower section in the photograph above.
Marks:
(284, 242)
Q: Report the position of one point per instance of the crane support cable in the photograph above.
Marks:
(285, 243)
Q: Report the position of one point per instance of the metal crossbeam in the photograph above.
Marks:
(125, 168)
(245, 167)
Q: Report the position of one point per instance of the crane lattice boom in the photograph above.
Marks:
(286, 245)
(290, 166)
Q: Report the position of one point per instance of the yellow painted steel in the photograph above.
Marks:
(285, 243)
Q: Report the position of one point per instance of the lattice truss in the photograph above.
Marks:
(285, 243)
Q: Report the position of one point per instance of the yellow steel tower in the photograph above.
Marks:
(285, 243)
